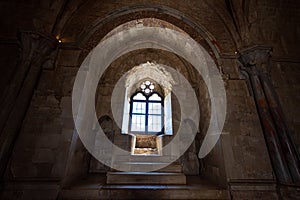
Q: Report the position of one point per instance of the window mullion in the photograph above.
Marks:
(146, 117)
(162, 117)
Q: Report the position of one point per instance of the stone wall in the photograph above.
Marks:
(43, 150)
(244, 149)
(48, 127)
(9, 50)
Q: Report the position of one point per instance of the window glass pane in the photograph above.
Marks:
(154, 123)
(139, 107)
(154, 97)
(138, 123)
(139, 96)
(154, 108)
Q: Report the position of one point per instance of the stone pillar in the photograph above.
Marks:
(256, 63)
(34, 50)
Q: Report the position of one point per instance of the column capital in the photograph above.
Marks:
(256, 58)
(35, 45)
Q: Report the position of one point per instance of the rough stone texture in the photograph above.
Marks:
(68, 58)
(289, 193)
(40, 140)
(166, 6)
(47, 142)
(8, 61)
(242, 133)
(48, 126)
(253, 190)
(47, 191)
(255, 195)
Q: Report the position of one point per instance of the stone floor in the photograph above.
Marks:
(95, 187)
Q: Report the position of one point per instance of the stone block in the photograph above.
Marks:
(23, 170)
(51, 128)
(289, 193)
(67, 135)
(48, 141)
(66, 106)
(68, 57)
(44, 170)
(44, 156)
(254, 195)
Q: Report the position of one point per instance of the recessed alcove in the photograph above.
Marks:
(152, 62)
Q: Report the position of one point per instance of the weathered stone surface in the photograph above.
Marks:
(44, 156)
(68, 58)
(289, 193)
(263, 189)
(264, 195)
(47, 147)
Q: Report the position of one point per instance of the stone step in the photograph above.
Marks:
(164, 192)
(143, 158)
(148, 166)
(144, 192)
(94, 187)
(146, 178)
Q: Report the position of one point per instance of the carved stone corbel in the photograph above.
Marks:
(256, 59)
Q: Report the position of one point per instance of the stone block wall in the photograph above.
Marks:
(244, 144)
(8, 50)
(247, 163)
(42, 147)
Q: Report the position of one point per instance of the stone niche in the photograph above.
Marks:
(212, 167)
(189, 161)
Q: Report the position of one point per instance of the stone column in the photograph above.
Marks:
(34, 50)
(256, 63)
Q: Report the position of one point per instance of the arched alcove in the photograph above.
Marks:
(127, 62)
(116, 69)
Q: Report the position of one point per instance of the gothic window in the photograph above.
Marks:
(146, 111)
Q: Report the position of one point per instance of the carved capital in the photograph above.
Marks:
(35, 47)
(256, 59)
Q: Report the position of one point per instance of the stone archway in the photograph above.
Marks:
(174, 40)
